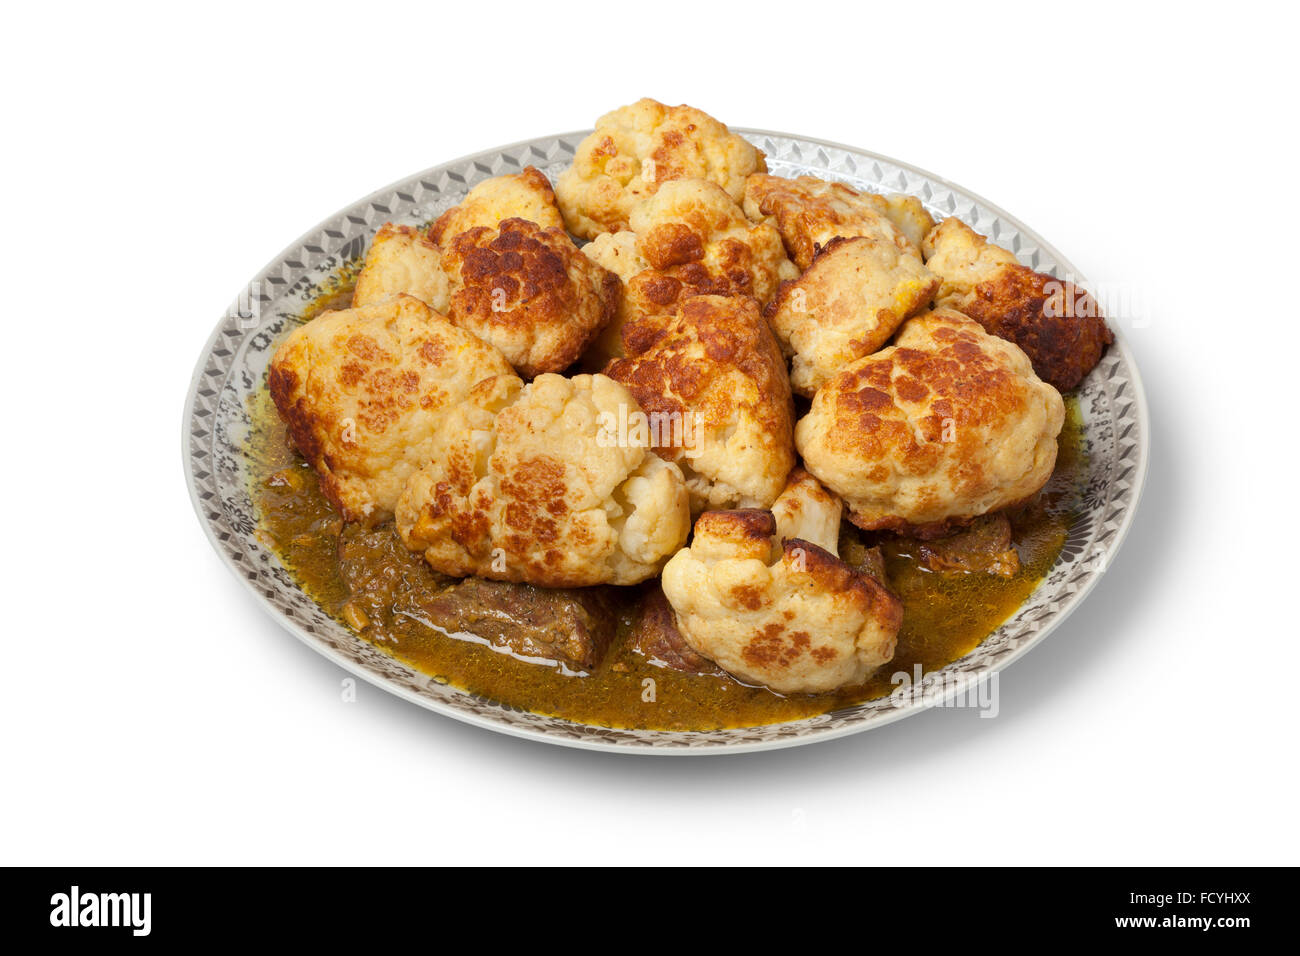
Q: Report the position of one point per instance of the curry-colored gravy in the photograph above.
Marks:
(945, 615)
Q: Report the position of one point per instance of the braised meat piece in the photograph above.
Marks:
(656, 638)
(572, 626)
(379, 571)
(389, 587)
(865, 560)
(984, 546)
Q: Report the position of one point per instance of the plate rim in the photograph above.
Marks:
(708, 748)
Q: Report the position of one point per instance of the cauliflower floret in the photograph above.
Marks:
(909, 214)
(402, 260)
(846, 305)
(530, 292)
(711, 379)
(962, 258)
(777, 609)
(806, 510)
(1058, 325)
(947, 424)
(525, 195)
(691, 229)
(364, 392)
(617, 252)
(532, 483)
(810, 212)
(689, 238)
(635, 149)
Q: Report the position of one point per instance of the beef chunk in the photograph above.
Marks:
(656, 638)
(390, 587)
(573, 626)
(855, 553)
(984, 546)
(379, 571)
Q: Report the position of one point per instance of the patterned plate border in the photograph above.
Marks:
(233, 363)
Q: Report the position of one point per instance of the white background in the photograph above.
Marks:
(155, 158)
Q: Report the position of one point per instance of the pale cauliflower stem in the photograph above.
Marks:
(1058, 325)
(530, 292)
(806, 510)
(846, 305)
(947, 424)
(402, 260)
(531, 483)
(689, 238)
(711, 380)
(810, 212)
(773, 608)
(637, 148)
(364, 392)
(526, 195)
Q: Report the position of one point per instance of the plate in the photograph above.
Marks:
(234, 362)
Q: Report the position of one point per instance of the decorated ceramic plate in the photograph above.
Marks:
(262, 512)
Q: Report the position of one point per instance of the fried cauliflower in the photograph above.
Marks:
(618, 252)
(530, 292)
(810, 212)
(689, 238)
(1058, 325)
(711, 380)
(806, 510)
(364, 392)
(402, 260)
(947, 424)
(637, 148)
(774, 608)
(532, 483)
(907, 213)
(525, 195)
(846, 305)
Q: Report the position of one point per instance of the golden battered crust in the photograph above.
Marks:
(846, 305)
(530, 292)
(522, 486)
(778, 610)
(365, 391)
(948, 423)
(1058, 325)
(525, 195)
(810, 212)
(689, 239)
(714, 370)
(402, 260)
(637, 148)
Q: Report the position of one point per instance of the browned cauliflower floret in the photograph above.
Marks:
(402, 260)
(689, 238)
(532, 483)
(963, 257)
(692, 230)
(775, 608)
(908, 213)
(525, 195)
(712, 382)
(810, 212)
(847, 305)
(635, 149)
(1057, 324)
(946, 424)
(530, 292)
(364, 392)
